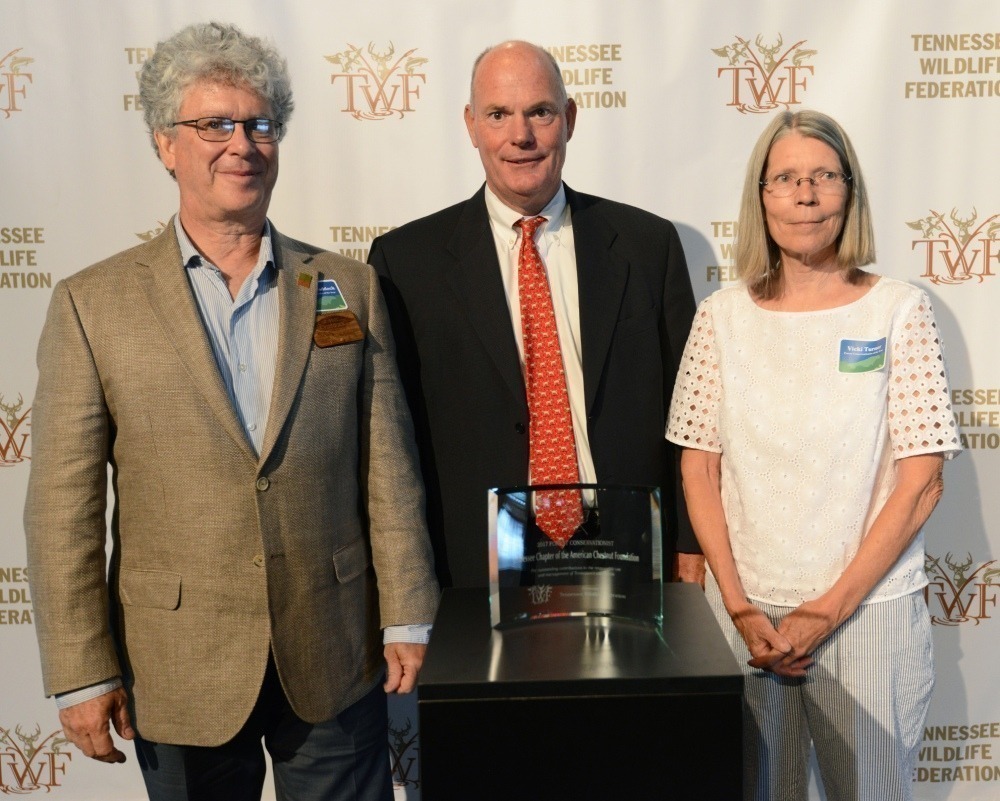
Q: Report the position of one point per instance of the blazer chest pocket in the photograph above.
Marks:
(154, 589)
(350, 561)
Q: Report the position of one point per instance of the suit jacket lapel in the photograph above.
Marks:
(176, 311)
(475, 277)
(297, 321)
(602, 277)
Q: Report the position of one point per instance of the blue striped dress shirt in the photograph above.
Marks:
(243, 330)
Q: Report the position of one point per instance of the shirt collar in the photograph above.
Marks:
(191, 258)
(502, 217)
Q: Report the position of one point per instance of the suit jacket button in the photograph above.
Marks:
(263, 483)
(258, 560)
(519, 428)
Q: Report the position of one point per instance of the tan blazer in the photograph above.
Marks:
(219, 555)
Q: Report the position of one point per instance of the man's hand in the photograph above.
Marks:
(86, 725)
(689, 567)
(404, 660)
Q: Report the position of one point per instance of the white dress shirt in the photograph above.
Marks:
(554, 241)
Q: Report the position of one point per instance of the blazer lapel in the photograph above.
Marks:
(475, 277)
(602, 277)
(176, 311)
(297, 321)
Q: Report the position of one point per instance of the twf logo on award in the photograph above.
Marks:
(763, 78)
(952, 247)
(379, 84)
(13, 81)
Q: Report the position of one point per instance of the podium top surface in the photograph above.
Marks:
(569, 657)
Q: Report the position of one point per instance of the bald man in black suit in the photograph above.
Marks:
(623, 303)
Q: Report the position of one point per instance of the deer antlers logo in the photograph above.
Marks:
(13, 433)
(379, 84)
(963, 594)
(772, 78)
(27, 764)
(951, 242)
(403, 750)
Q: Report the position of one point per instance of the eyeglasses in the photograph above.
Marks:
(826, 183)
(221, 129)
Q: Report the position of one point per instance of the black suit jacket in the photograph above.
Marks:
(459, 362)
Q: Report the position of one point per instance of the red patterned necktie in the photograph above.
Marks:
(552, 447)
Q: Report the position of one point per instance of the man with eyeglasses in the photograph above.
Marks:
(271, 575)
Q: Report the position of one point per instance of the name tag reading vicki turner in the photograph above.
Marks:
(862, 355)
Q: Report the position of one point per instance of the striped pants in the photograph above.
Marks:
(862, 706)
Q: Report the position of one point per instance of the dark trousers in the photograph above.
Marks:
(344, 759)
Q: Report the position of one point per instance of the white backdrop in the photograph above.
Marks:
(672, 96)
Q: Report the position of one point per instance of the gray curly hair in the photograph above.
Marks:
(211, 52)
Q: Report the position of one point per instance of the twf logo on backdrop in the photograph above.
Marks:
(13, 81)
(954, 250)
(959, 590)
(763, 78)
(153, 232)
(27, 765)
(13, 432)
(378, 86)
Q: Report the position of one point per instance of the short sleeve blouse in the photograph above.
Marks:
(810, 410)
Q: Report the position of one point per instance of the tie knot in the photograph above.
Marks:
(529, 225)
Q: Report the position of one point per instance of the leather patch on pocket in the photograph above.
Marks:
(337, 328)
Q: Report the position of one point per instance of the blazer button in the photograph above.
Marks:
(258, 560)
(263, 483)
(519, 428)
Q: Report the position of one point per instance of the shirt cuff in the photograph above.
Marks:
(74, 697)
(419, 633)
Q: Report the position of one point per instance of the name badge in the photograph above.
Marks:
(862, 355)
(329, 297)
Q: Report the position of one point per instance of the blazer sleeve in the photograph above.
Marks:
(66, 504)
(401, 550)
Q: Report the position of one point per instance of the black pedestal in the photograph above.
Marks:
(579, 709)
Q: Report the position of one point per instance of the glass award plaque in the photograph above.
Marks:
(611, 565)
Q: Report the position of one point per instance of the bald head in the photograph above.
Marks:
(519, 49)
